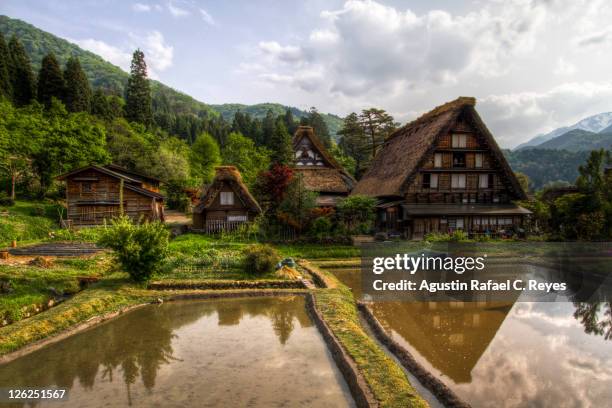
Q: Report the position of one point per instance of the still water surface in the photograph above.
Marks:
(258, 352)
(506, 354)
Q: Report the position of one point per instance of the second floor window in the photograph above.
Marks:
(227, 198)
(458, 159)
(430, 180)
(438, 160)
(478, 160)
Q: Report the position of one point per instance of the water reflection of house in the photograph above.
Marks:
(321, 172)
(444, 172)
(451, 336)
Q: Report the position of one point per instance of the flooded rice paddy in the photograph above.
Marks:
(514, 354)
(257, 352)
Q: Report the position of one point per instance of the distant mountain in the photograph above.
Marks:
(595, 123)
(227, 110)
(578, 140)
(103, 74)
(543, 166)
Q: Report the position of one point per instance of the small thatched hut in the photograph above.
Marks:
(226, 203)
(320, 171)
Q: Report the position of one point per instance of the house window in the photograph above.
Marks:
(478, 160)
(459, 223)
(458, 181)
(483, 180)
(438, 160)
(455, 223)
(433, 181)
(459, 141)
(237, 218)
(227, 198)
(426, 180)
(458, 159)
(87, 188)
(491, 181)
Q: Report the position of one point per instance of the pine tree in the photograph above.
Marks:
(138, 92)
(51, 82)
(289, 121)
(6, 88)
(280, 143)
(20, 70)
(78, 91)
(268, 126)
(319, 126)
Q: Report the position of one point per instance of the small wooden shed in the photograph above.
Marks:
(93, 195)
(226, 203)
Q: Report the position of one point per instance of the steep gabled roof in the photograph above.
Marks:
(101, 169)
(231, 176)
(130, 173)
(407, 149)
(333, 179)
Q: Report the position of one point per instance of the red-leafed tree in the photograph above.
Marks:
(271, 186)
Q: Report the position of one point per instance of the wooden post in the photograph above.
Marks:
(121, 197)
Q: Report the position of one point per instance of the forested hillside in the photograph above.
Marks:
(543, 166)
(228, 110)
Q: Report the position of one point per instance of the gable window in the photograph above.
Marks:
(478, 160)
(438, 160)
(459, 141)
(87, 188)
(458, 159)
(227, 198)
(458, 181)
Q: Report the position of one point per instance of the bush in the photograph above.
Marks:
(260, 259)
(6, 200)
(456, 236)
(321, 228)
(140, 248)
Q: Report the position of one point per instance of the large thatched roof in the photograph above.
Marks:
(227, 175)
(331, 178)
(406, 150)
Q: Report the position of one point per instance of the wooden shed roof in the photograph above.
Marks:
(231, 176)
(406, 150)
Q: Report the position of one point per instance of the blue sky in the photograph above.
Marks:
(532, 64)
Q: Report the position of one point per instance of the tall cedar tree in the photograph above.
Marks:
(290, 122)
(51, 82)
(282, 148)
(377, 125)
(20, 70)
(352, 143)
(6, 88)
(268, 126)
(138, 92)
(78, 92)
(319, 126)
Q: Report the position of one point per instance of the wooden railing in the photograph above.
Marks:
(218, 226)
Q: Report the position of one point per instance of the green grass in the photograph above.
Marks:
(386, 379)
(27, 221)
(32, 287)
(316, 251)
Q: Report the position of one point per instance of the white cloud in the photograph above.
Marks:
(177, 11)
(564, 67)
(140, 7)
(514, 115)
(158, 55)
(208, 19)
(112, 54)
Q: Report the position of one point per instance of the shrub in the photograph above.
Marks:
(140, 248)
(6, 200)
(321, 228)
(260, 259)
(357, 212)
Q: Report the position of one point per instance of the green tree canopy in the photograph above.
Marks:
(20, 70)
(51, 82)
(78, 91)
(138, 92)
(6, 87)
(250, 160)
(204, 157)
